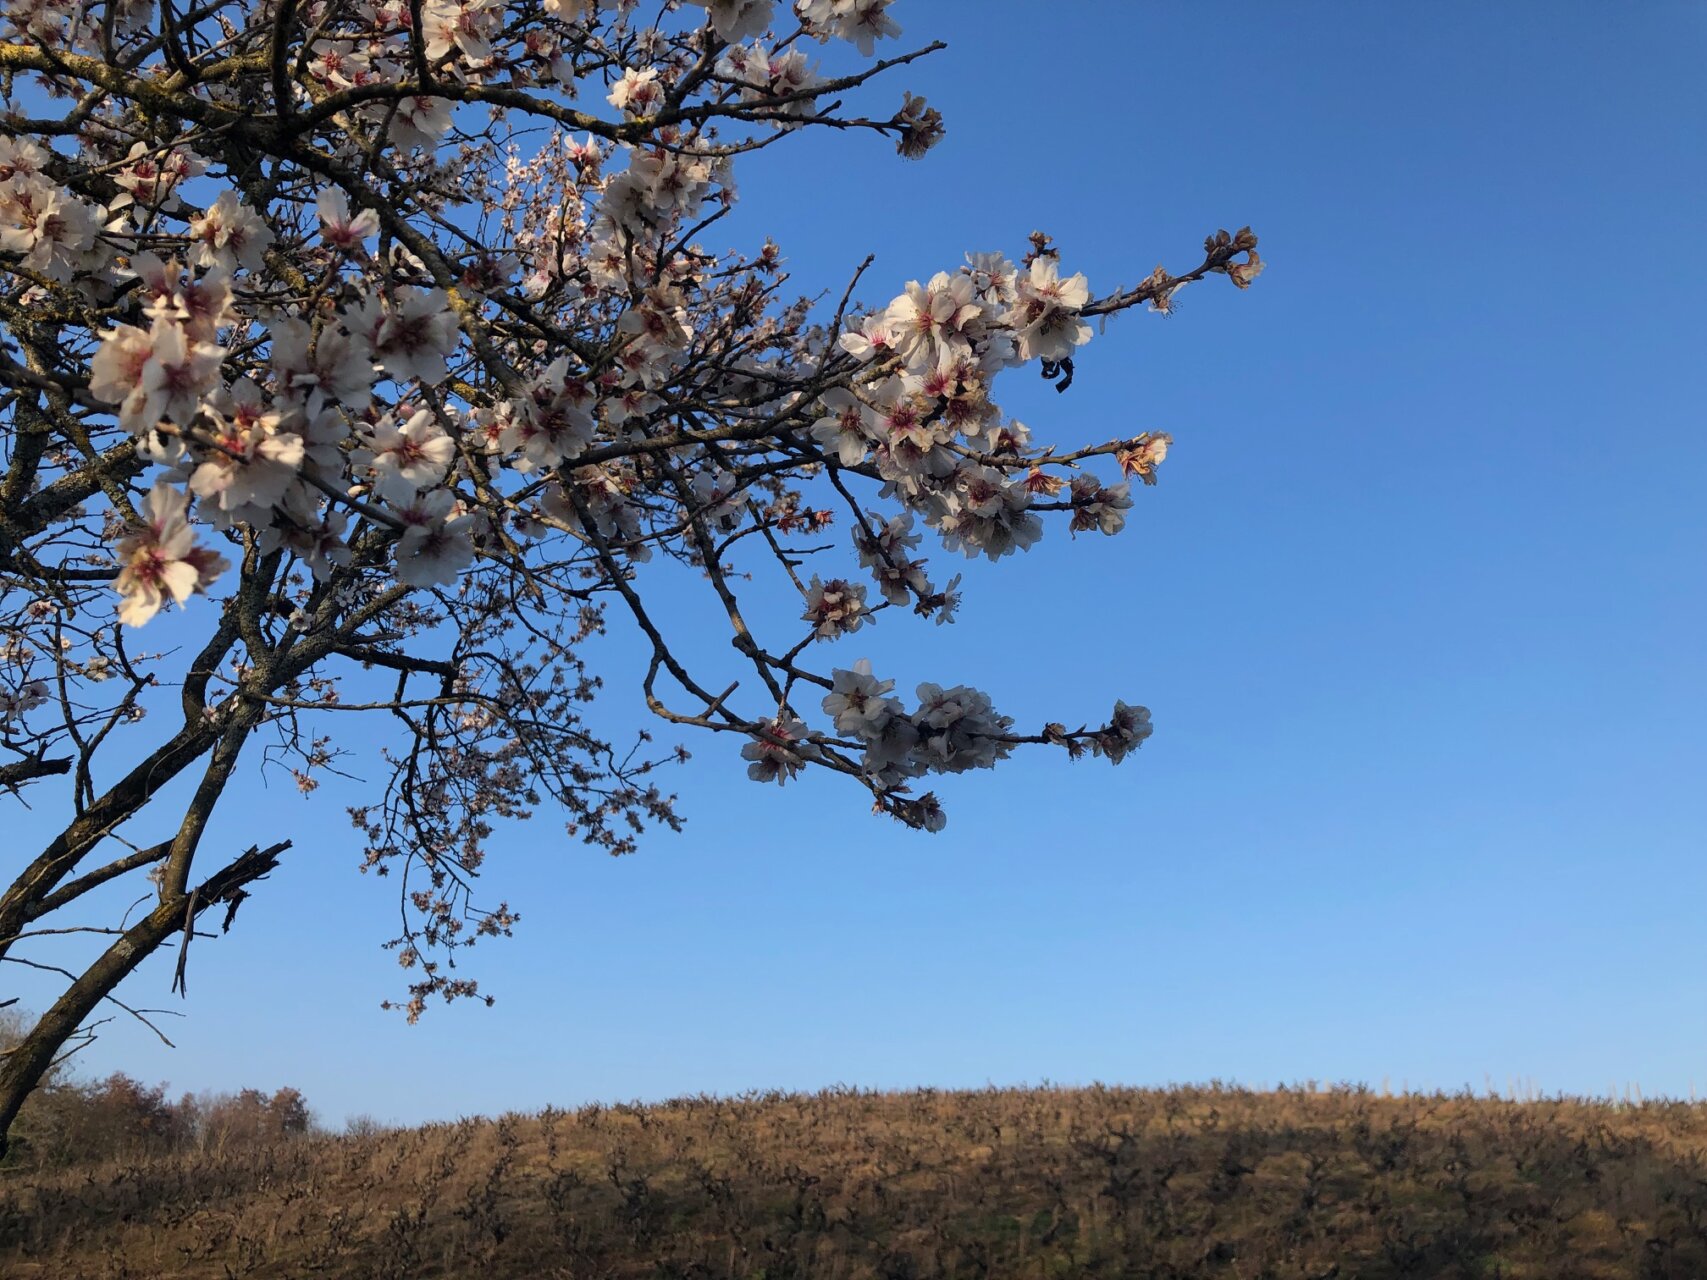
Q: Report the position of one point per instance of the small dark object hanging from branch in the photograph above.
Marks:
(1062, 369)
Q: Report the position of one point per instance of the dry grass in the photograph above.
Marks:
(1209, 1181)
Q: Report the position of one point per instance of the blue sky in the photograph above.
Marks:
(1418, 607)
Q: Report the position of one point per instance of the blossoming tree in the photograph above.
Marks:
(374, 344)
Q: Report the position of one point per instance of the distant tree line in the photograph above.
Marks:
(69, 1121)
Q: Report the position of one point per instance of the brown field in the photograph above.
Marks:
(1211, 1181)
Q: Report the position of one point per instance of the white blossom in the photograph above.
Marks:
(161, 374)
(15, 703)
(717, 496)
(779, 750)
(404, 460)
(862, 22)
(335, 364)
(994, 278)
(1099, 506)
(1045, 314)
(338, 228)
(959, 729)
(637, 91)
(986, 514)
(464, 25)
(857, 704)
(553, 423)
(770, 75)
(898, 576)
(51, 229)
(1146, 454)
(160, 560)
(229, 235)
(419, 121)
(868, 337)
(202, 304)
(151, 177)
(434, 555)
(937, 322)
(735, 20)
(418, 333)
(1127, 730)
(834, 608)
(250, 464)
(846, 428)
(116, 369)
(659, 321)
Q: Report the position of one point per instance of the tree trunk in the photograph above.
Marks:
(25, 1066)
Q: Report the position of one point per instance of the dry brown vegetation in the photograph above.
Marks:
(1210, 1181)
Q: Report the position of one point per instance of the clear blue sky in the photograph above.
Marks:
(1420, 607)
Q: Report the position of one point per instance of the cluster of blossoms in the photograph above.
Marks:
(930, 428)
(860, 22)
(263, 454)
(951, 730)
(14, 703)
(926, 425)
(1126, 730)
(55, 234)
(771, 76)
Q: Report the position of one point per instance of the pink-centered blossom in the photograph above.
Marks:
(736, 20)
(1045, 314)
(229, 235)
(834, 608)
(637, 91)
(404, 460)
(159, 561)
(162, 374)
(779, 750)
(846, 427)
(418, 333)
(339, 229)
(52, 230)
(861, 22)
